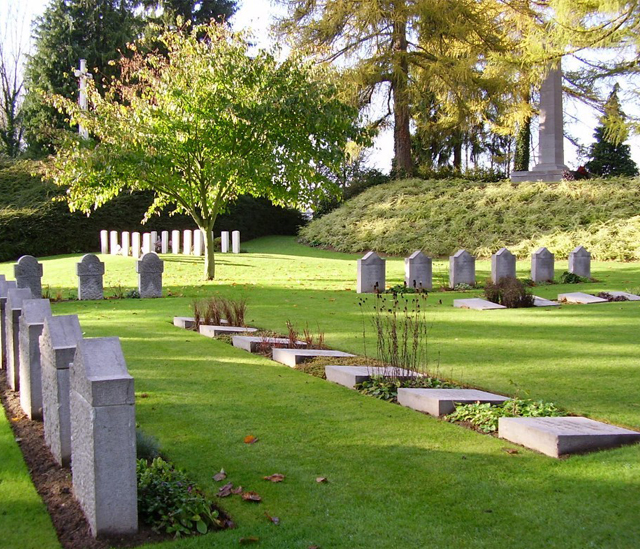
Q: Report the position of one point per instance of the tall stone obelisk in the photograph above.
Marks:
(550, 166)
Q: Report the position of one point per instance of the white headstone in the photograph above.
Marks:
(146, 243)
(197, 242)
(126, 243)
(224, 242)
(503, 265)
(13, 310)
(580, 262)
(104, 242)
(462, 269)
(90, 271)
(154, 241)
(5, 286)
(28, 273)
(371, 274)
(542, 266)
(114, 246)
(149, 269)
(186, 242)
(135, 245)
(418, 271)
(175, 242)
(235, 242)
(164, 245)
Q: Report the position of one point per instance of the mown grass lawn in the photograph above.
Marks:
(396, 478)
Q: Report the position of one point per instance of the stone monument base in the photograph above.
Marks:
(547, 176)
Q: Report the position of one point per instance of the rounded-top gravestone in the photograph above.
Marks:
(150, 269)
(90, 271)
(28, 273)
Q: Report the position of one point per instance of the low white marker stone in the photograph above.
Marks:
(350, 376)
(462, 269)
(154, 241)
(114, 246)
(291, 357)
(224, 242)
(197, 242)
(13, 310)
(477, 304)
(371, 274)
(175, 242)
(135, 245)
(164, 244)
(213, 331)
(146, 243)
(28, 273)
(503, 265)
(58, 342)
(34, 313)
(557, 436)
(580, 262)
(254, 343)
(439, 402)
(186, 322)
(235, 242)
(126, 243)
(104, 242)
(186, 242)
(103, 437)
(90, 271)
(580, 298)
(418, 271)
(542, 302)
(542, 265)
(5, 286)
(150, 269)
(630, 297)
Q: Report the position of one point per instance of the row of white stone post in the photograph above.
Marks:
(134, 244)
(462, 268)
(83, 392)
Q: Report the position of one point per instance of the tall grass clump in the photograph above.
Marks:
(211, 311)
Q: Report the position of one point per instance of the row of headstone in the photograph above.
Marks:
(462, 268)
(113, 243)
(83, 392)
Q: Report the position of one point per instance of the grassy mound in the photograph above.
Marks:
(442, 216)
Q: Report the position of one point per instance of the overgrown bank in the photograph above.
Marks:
(441, 216)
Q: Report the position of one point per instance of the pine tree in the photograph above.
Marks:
(196, 11)
(609, 155)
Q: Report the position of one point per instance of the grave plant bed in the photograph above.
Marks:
(611, 298)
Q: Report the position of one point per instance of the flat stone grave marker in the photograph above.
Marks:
(542, 265)
(5, 286)
(186, 322)
(542, 302)
(503, 265)
(371, 274)
(418, 272)
(477, 304)
(253, 343)
(350, 376)
(557, 436)
(150, 269)
(90, 271)
(580, 262)
(28, 273)
(439, 402)
(34, 313)
(58, 343)
(13, 310)
(462, 269)
(292, 357)
(630, 297)
(580, 298)
(213, 331)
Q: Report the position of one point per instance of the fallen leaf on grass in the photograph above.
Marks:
(250, 539)
(276, 477)
(237, 490)
(225, 490)
(250, 439)
(251, 496)
(322, 479)
(220, 476)
(275, 520)
(511, 450)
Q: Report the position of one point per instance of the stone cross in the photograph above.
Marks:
(28, 273)
(103, 437)
(580, 262)
(150, 269)
(13, 310)
(235, 242)
(462, 269)
(542, 266)
(90, 271)
(175, 242)
(83, 75)
(224, 242)
(418, 271)
(371, 274)
(503, 265)
(34, 313)
(5, 286)
(58, 342)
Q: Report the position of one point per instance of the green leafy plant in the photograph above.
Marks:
(463, 287)
(132, 294)
(387, 388)
(572, 278)
(170, 502)
(508, 291)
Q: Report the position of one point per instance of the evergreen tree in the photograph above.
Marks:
(196, 11)
(609, 155)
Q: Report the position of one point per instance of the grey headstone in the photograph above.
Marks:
(104, 242)
(542, 266)
(164, 244)
(371, 274)
(186, 242)
(150, 269)
(439, 402)
(126, 243)
(103, 437)
(558, 436)
(58, 342)
(224, 242)
(418, 271)
(5, 286)
(477, 304)
(350, 376)
(28, 273)
(503, 265)
(13, 310)
(175, 242)
(90, 271)
(34, 313)
(135, 245)
(291, 357)
(462, 269)
(580, 262)
(235, 242)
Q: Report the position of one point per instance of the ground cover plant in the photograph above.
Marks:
(441, 216)
(204, 397)
(508, 291)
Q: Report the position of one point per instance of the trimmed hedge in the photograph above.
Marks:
(31, 222)
(442, 216)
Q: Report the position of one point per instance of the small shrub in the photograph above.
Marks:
(386, 388)
(132, 294)
(404, 289)
(170, 502)
(508, 291)
(212, 310)
(572, 278)
(147, 446)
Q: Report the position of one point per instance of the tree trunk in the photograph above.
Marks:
(403, 161)
(523, 139)
(209, 256)
(457, 152)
